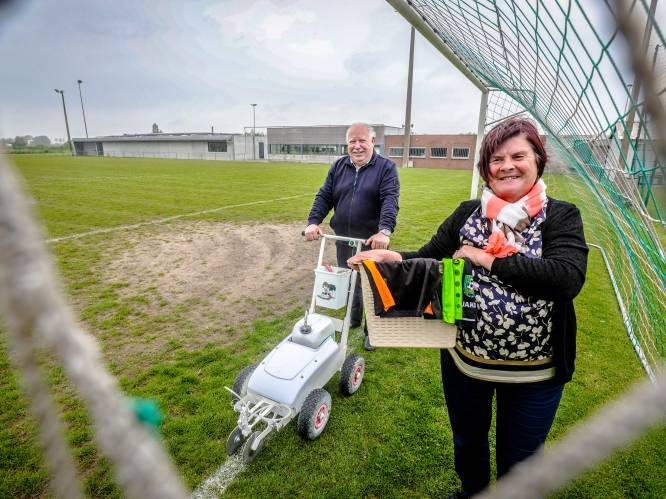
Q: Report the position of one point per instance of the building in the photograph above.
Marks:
(434, 151)
(212, 146)
(318, 144)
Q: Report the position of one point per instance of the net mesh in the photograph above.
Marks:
(565, 64)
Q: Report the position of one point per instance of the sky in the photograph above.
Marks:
(190, 65)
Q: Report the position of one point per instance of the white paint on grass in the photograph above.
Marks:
(167, 219)
(215, 485)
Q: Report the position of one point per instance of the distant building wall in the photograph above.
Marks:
(434, 151)
(222, 147)
(242, 144)
(167, 150)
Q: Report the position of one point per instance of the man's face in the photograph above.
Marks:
(360, 144)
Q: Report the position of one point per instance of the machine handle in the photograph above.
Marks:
(340, 238)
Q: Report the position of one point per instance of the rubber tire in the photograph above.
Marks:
(241, 381)
(311, 421)
(248, 453)
(350, 376)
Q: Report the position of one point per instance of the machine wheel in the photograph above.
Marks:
(235, 440)
(248, 453)
(240, 384)
(351, 375)
(314, 414)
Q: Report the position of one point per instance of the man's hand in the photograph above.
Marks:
(378, 241)
(312, 232)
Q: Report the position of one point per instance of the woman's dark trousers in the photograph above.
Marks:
(525, 413)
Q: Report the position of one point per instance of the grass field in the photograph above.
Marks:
(391, 439)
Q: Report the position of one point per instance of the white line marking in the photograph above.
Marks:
(167, 219)
(215, 485)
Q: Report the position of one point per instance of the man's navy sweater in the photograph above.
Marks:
(364, 201)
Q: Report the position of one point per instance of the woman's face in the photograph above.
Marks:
(513, 169)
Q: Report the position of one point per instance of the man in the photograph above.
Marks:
(363, 189)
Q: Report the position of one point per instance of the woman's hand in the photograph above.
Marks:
(379, 255)
(476, 255)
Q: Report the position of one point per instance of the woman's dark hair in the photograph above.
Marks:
(505, 130)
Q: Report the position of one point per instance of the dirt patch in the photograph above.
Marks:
(218, 276)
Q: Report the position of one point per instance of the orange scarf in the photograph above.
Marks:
(510, 219)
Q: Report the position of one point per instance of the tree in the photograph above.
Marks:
(41, 140)
(20, 141)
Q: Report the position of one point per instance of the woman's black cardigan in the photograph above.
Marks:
(557, 276)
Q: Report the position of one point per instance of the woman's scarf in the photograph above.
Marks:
(510, 219)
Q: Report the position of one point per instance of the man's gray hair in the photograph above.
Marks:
(373, 134)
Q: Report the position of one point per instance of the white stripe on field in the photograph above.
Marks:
(167, 219)
(215, 485)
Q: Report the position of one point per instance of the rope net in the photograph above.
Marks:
(566, 64)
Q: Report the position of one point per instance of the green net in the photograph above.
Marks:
(565, 64)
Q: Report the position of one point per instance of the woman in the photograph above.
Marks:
(529, 260)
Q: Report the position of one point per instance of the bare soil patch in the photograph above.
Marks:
(217, 276)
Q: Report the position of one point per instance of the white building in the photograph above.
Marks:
(211, 146)
(315, 144)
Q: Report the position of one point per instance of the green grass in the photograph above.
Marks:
(391, 439)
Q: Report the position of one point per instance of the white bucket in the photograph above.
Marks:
(332, 287)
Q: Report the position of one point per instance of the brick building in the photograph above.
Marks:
(434, 151)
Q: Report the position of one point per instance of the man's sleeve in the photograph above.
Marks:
(323, 201)
(389, 192)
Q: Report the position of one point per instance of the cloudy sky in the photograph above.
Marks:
(190, 65)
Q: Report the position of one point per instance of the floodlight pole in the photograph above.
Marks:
(408, 106)
(254, 123)
(82, 110)
(64, 109)
(405, 8)
(483, 109)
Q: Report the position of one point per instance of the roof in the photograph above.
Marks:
(161, 137)
(374, 125)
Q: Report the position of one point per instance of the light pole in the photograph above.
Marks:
(254, 123)
(82, 110)
(408, 106)
(64, 109)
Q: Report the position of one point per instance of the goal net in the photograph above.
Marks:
(564, 63)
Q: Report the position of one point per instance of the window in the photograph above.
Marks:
(395, 152)
(217, 147)
(320, 149)
(309, 149)
(285, 148)
(460, 153)
(417, 152)
(438, 152)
